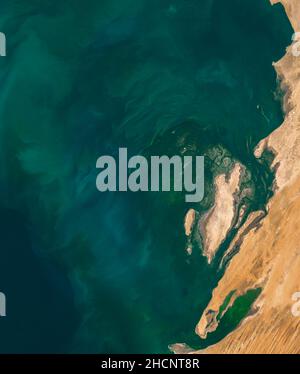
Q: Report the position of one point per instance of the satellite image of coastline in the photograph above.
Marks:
(93, 258)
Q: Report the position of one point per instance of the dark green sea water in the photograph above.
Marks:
(91, 272)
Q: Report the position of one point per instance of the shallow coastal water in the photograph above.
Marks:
(83, 79)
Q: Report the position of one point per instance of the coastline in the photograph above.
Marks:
(269, 255)
(284, 141)
(223, 212)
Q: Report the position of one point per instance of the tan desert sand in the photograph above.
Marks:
(222, 214)
(189, 221)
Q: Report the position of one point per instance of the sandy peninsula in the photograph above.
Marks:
(218, 221)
